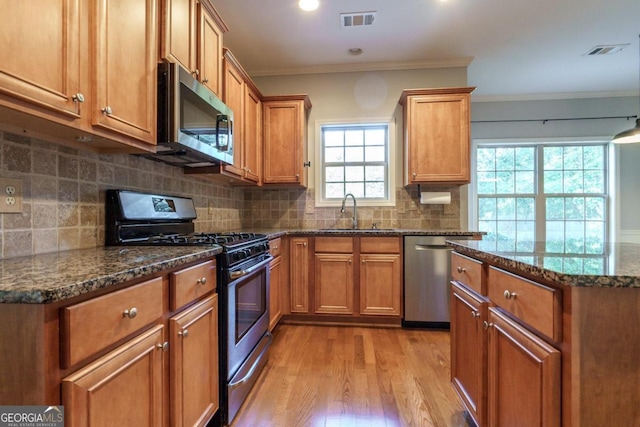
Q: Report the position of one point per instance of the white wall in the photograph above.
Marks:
(628, 156)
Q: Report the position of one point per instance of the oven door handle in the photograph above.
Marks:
(255, 364)
(241, 273)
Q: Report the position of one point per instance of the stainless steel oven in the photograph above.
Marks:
(247, 336)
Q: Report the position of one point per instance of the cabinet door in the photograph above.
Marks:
(275, 294)
(40, 55)
(179, 39)
(299, 275)
(437, 128)
(194, 364)
(380, 284)
(124, 48)
(334, 284)
(122, 388)
(234, 98)
(524, 376)
(469, 351)
(284, 142)
(252, 134)
(210, 52)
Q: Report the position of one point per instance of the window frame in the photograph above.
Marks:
(390, 200)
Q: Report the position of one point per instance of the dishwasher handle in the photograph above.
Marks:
(421, 247)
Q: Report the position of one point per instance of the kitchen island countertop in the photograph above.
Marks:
(51, 277)
(619, 267)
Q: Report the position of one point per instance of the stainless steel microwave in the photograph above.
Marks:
(195, 128)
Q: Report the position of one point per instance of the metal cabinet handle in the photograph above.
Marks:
(78, 97)
(462, 269)
(364, 261)
(184, 333)
(201, 281)
(107, 110)
(164, 346)
(196, 72)
(130, 313)
(475, 314)
(414, 174)
(350, 260)
(304, 244)
(205, 80)
(486, 324)
(510, 295)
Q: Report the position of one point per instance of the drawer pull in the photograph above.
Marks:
(131, 313)
(201, 281)
(164, 346)
(486, 324)
(510, 295)
(184, 333)
(462, 269)
(475, 314)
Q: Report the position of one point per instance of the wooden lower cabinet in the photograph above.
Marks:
(469, 351)
(193, 344)
(275, 292)
(299, 274)
(380, 284)
(334, 284)
(523, 376)
(124, 387)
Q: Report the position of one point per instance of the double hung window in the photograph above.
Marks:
(553, 194)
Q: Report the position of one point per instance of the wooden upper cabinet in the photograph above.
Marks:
(210, 49)
(234, 98)
(124, 70)
(285, 139)
(192, 36)
(436, 135)
(40, 55)
(252, 134)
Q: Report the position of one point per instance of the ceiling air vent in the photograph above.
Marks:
(605, 49)
(357, 19)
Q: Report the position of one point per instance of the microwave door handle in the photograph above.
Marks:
(222, 118)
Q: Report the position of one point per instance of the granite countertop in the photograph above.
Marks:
(274, 233)
(52, 277)
(619, 267)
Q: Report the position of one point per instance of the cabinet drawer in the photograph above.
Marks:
(342, 245)
(380, 245)
(93, 325)
(275, 247)
(467, 271)
(192, 283)
(532, 303)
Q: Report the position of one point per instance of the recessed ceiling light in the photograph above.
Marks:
(355, 51)
(308, 5)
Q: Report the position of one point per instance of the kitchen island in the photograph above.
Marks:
(545, 338)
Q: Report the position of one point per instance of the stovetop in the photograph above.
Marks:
(228, 240)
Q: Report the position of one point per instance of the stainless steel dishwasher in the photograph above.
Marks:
(427, 273)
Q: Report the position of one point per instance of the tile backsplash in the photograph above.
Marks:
(63, 194)
(294, 208)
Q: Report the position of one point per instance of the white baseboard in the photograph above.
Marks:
(629, 236)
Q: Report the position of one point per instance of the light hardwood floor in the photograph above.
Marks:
(354, 376)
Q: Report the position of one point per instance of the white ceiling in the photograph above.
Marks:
(516, 49)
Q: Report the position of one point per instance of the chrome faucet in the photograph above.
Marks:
(355, 209)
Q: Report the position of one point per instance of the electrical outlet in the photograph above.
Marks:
(10, 195)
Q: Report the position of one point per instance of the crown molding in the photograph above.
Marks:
(360, 67)
(552, 96)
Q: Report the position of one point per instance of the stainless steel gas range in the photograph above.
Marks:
(134, 218)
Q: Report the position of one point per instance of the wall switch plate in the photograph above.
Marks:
(10, 195)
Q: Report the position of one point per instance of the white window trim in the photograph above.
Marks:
(613, 214)
(391, 169)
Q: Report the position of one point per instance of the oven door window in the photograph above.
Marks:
(250, 303)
